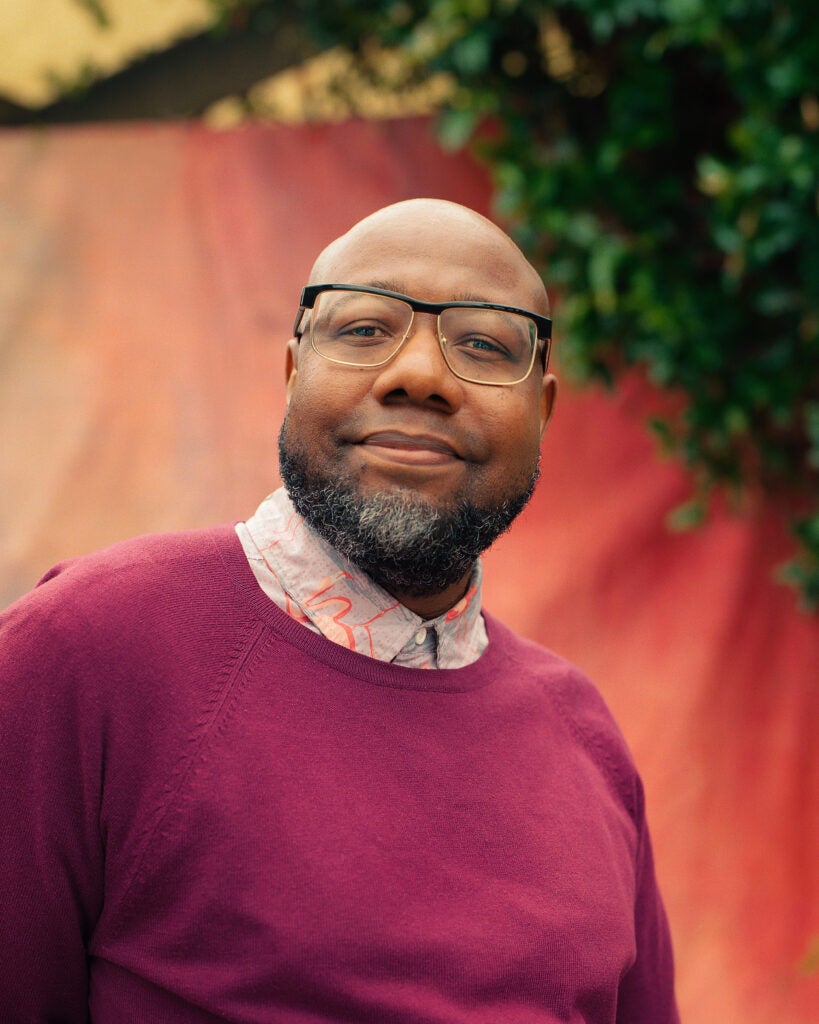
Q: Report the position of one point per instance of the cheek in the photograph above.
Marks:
(326, 389)
(514, 421)
(305, 426)
(324, 406)
(313, 396)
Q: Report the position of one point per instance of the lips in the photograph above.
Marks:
(411, 449)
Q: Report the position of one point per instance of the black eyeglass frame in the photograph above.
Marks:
(543, 324)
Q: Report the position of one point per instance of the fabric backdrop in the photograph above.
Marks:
(148, 280)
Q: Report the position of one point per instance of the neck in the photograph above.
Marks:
(430, 606)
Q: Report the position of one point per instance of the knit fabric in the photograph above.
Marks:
(211, 813)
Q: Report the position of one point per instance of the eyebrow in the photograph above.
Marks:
(396, 286)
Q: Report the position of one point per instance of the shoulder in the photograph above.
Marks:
(141, 559)
(153, 568)
(137, 634)
(129, 599)
(579, 706)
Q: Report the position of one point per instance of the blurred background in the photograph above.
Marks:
(170, 168)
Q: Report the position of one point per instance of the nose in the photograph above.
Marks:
(418, 373)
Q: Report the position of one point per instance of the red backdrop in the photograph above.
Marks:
(148, 280)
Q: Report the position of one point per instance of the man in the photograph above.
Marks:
(291, 771)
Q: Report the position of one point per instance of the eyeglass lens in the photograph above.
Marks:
(484, 345)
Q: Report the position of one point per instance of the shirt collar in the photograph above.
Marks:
(348, 607)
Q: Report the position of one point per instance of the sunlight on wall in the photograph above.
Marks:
(48, 45)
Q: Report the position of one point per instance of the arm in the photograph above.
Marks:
(50, 782)
(646, 994)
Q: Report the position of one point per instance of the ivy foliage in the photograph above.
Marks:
(658, 160)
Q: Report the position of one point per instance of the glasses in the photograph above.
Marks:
(481, 342)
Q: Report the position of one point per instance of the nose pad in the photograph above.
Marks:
(420, 330)
(419, 369)
(423, 344)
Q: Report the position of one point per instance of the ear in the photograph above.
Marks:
(548, 394)
(291, 367)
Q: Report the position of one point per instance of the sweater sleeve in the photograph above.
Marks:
(646, 994)
(50, 781)
(646, 991)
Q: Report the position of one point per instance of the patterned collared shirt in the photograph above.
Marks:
(318, 587)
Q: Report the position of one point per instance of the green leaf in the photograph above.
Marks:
(455, 127)
(686, 516)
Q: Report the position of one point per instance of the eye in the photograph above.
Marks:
(480, 346)
(359, 331)
(363, 330)
(486, 336)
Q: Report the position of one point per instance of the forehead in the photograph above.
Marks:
(434, 260)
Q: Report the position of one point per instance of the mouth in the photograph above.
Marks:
(409, 449)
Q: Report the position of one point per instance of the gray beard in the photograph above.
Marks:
(405, 543)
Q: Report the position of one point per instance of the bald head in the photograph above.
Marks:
(410, 233)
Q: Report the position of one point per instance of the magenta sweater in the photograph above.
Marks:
(210, 813)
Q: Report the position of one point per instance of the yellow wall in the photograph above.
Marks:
(42, 41)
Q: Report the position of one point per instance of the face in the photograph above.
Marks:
(411, 424)
(405, 468)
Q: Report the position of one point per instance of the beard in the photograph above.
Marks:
(406, 543)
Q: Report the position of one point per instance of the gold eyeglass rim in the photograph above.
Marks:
(543, 326)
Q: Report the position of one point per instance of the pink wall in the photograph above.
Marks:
(148, 280)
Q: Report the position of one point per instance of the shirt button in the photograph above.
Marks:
(421, 635)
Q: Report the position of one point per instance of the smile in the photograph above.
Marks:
(409, 449)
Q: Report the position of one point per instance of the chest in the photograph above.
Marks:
(328, 846)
